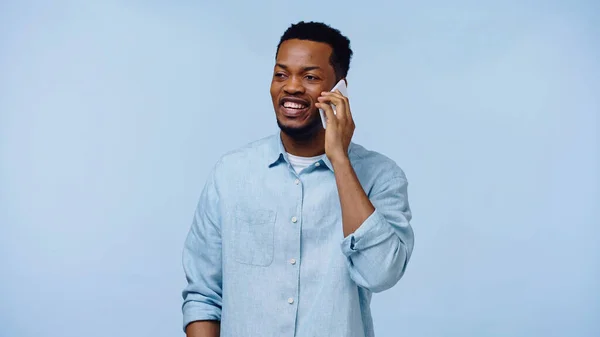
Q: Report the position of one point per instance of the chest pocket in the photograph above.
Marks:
(253, 236)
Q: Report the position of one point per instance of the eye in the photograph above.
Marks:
(311, 77)
(279, 75)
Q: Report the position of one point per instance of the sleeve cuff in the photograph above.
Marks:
(199, 314)
(372, 231)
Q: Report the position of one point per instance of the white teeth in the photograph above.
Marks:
(294, 105)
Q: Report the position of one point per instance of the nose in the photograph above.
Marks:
(294, 86)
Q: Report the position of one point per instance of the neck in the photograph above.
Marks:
(309, 147)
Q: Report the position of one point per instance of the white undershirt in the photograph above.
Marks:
(300, 163)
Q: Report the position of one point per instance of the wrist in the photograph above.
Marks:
(340, 161)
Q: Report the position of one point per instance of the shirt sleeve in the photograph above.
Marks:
(379, 250)
(202, 296)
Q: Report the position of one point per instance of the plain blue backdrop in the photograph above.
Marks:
(112, 113)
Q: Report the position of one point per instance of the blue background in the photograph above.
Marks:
(112, 113)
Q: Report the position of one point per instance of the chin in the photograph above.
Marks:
(305, 130)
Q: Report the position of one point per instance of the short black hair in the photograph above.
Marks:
(320, 32)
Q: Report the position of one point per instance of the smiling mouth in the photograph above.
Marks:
(293, 108)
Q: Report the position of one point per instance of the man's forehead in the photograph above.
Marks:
(299, 66)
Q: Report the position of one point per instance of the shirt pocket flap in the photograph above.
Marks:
(254, 216)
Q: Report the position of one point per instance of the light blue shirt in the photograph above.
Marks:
(266, 254)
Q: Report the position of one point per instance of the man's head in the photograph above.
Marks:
(311, 58)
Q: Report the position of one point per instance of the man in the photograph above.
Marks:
(294, 232)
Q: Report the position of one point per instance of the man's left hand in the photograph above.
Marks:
(340, 126)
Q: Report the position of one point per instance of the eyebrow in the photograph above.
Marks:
(308, 68)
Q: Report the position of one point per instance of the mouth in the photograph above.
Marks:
(293, 107)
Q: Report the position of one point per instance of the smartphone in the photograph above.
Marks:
(341, 86)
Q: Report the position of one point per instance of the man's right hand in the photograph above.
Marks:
(203, 329)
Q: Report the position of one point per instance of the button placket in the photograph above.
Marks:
(293, 258)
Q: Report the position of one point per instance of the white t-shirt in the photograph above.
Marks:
(300, 163)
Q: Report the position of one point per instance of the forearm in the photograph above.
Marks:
(379, 245)
(355, 204)
(203, 329)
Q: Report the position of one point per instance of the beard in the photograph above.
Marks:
(304, 132)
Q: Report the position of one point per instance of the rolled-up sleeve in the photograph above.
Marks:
(202, 296)
(379, 250)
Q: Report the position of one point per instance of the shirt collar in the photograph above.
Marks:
(277, 153)
(276, 150)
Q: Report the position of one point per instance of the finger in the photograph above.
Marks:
(338, 101)
(342, 107)
(331, 119)
(346, 104)
(336, 92)
(336, 95)
(336, 110)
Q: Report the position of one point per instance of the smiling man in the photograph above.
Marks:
(293, 233)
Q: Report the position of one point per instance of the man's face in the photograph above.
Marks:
(302, 71)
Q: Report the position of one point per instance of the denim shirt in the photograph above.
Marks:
(266, 254)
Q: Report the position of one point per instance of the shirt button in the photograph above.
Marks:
(297, 181)
(317, 164)
(290, 300)
(294, 219)
(293, 261)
